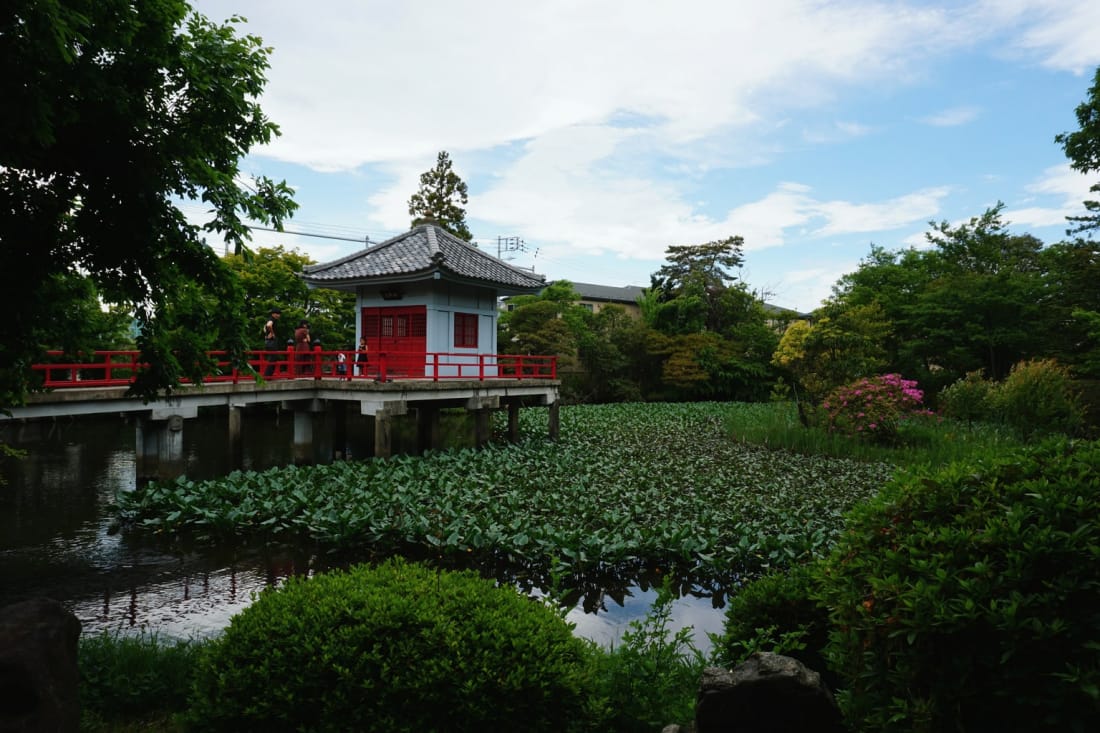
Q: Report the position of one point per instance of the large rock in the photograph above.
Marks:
(767, 693)
(38, 672)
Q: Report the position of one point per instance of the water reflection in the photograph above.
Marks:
(57, 539)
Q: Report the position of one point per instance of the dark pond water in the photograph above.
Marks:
(57, 537)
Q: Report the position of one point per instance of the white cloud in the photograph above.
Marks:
(359, 82)
(1061, 182)
(952, 117)
(846, 218)
(1064, 33)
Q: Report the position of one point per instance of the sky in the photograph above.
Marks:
(600, 133)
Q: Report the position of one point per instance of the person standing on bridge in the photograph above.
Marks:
(361, 357)
(271, 340)
(302, 347)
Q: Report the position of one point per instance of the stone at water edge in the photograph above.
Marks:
(38, 668)
(767, 693)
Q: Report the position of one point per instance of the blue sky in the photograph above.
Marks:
(603, 132)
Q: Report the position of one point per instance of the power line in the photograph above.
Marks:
(365, 239)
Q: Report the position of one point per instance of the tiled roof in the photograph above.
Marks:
(417, 254)
(588, 291)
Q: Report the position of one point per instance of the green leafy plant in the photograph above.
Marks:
(652, 677)
(395, 647)
(626, 486)
(874, 407)
(1037, 398)
(967, 599)
(777, 613)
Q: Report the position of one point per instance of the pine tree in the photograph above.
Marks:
(440, 199)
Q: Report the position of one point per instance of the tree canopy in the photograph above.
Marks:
(1082, 147)
(118, 112)
(441, 198)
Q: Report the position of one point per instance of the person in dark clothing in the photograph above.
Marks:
(271, 340)
(361, 357)
(302, 348)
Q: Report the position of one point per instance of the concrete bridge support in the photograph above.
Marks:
(428, 433)
(302, 447)
(158, 446)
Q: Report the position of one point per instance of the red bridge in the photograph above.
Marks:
(118, 368)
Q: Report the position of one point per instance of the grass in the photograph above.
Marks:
(925, 441)
(134, 683)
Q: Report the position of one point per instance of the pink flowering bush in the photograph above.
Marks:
(873, 407)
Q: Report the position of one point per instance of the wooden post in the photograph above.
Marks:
(555, 421)
(482, 427)
(428, 436)
(513, 421)
(383, 434)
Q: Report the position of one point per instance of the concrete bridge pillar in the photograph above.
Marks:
(302, 450)
(159, 446)
(428, 434)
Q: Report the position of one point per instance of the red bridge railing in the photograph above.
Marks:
(119, 368)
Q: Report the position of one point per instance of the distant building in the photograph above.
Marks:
(596, 297)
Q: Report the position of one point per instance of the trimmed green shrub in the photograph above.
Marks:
(969, 599)
(397, 647)
(778, 613)
(128, 678)
(969, 398)
(1037, 398)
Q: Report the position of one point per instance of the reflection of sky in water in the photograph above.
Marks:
(196, 605)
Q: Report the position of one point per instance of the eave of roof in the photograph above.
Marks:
(424, 252)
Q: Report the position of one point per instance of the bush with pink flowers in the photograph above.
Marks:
(873, 407)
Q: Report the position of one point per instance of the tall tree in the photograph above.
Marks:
(1083, 150)
(116, 111)
(691, 287)
(441, 199)
(270, 278)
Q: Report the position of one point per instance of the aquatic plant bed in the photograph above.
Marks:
(626, 486)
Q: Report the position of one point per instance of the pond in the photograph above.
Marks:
(58, 538)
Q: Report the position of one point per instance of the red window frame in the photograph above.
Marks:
(466, 330)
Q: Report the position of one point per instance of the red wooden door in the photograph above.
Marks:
(399, 337)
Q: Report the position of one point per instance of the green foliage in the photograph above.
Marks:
(1037, 398)
(652, 677)
(1082, 147)
(966, 599)
(126, 679)
(395, 647)
(270, 278)
(626, 485)
(980, 298)
(118, 111)
(921, 440)
(776, 613)
(841, 345)
(874, 408)
(441, 198)
(969, 398)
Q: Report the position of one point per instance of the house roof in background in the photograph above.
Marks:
(611, 294)
(419, 254)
